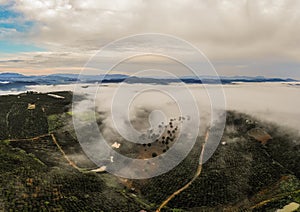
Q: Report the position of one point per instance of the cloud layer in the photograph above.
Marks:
(238, 32)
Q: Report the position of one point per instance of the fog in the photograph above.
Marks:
(143, 113)
(146, 105)
(274, 102)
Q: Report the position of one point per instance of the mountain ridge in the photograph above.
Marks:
(19, 81)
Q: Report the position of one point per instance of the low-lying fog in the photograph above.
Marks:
(275, 102)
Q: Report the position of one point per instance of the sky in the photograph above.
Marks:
(239, 37)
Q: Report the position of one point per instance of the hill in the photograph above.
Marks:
(15, 81)
(256, 166)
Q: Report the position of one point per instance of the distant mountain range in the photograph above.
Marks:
(18, 81)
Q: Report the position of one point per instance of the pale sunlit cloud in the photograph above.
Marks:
(237, 33)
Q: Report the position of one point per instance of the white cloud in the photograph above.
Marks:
(217, 24)
(5, 32)
(222, 29)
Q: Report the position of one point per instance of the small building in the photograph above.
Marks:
(31, 106)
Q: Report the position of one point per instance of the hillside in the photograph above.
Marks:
(43, 168)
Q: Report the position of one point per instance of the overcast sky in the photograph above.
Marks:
(239, 37)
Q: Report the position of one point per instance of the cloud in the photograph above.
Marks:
(6, 32)
(245, 26)
(33, 63)
(222, 29)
